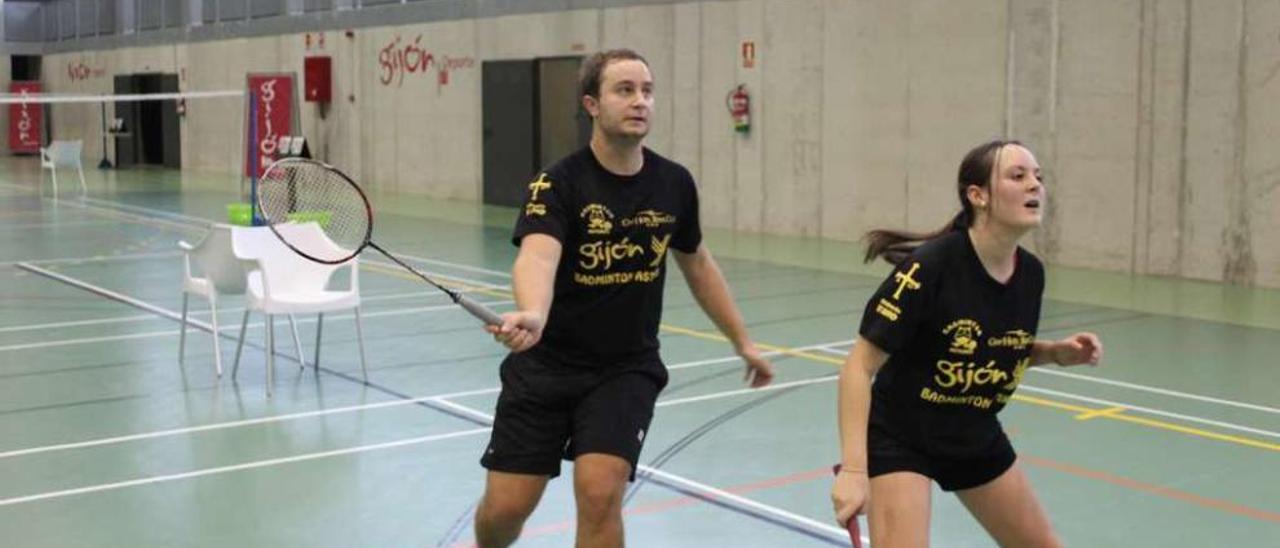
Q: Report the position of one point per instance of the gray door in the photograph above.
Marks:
(564, 127)
(508, 118)
(171, 131)
(126, 149)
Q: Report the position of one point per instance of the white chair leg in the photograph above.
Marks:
(182, 333)
(319, 327)
(84, 189)
(297, 343)
(217, 347)
(360, 341)
(271, 352)
(54, 173)
(240, 343)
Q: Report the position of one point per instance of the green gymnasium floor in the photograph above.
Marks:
(106, 441)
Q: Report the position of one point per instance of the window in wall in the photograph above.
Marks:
(149, 14)
(66, 19)
(22, 21)
(175, 13)
(106, 16)
(267, 8)
(318, 5)
(232, 10)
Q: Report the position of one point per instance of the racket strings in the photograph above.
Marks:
(302, 192)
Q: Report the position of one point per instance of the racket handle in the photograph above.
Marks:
(480, 311)
(855, 535)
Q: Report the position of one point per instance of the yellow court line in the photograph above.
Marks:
(1083, 413)
(769, 347)
(1107, 412)
(1113, 413)
(1196, 432)
(1051, 403)
(445, 281)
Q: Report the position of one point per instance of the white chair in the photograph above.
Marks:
(283, 282)
(65, 154)
(216, 272)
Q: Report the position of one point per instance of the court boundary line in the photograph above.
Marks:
(808, 355)
(193, 312)
(439, 398)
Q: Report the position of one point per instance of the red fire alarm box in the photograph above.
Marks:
(317, 77)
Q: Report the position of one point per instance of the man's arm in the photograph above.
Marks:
(712, 293)
(533, 278)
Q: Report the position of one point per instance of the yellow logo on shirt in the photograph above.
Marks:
(890, 310)
(594, 255)
(1016, 339)
(966, 375)
(1019, 369)
(599, 219)
(538, 185)
(964, 335)
(659, 247)
(649, 218)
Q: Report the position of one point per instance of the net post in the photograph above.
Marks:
(105, 163)
(255, 218)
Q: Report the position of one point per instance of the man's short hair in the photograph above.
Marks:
(593, 69)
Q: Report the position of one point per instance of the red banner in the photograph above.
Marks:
(273, 103)
(26, 120)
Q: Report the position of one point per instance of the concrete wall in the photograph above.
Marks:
(1156, 120)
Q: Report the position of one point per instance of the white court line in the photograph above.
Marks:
(235, 424)
(476, 414)
(1128, 407)
(716, 493)
(235, 327)
(740, 391)
(438, 398)
(1229, 425)
(63, 224)
(1138, 387)
(201, 312)
(672, 480)
(238, 467)
(95, 259)
(205, 222)
(1155, 390)
(138, 218)
(769, 354)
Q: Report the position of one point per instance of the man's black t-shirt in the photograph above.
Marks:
(614, 231)
(959, 343)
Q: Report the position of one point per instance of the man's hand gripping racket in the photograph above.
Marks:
(302, 188)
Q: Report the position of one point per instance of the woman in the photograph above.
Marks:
(948, 337)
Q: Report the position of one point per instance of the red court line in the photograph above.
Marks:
(672, 503)
(1167, 492)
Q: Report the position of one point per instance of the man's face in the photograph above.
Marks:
(626, 100)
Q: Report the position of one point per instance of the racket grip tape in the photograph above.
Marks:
(480, 311)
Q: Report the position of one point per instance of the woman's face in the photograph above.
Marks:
(1015, 198)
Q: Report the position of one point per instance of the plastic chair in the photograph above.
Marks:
(65, 154)
(283, 282)
(216, 272)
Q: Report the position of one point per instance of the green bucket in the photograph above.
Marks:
(320, 217)
(240, 214)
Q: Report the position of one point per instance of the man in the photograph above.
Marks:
(584, 372)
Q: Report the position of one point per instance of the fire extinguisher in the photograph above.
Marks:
(739, 103)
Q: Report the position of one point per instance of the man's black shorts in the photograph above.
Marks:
(886, 454)
(548, 411)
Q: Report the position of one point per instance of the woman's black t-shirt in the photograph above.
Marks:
(615, 231)
(959, 343)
